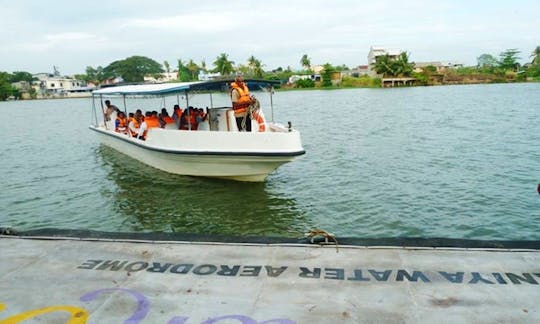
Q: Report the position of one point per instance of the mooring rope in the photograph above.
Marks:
(312, 234)
(253, 107)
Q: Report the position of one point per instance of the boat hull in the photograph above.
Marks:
(208, 154)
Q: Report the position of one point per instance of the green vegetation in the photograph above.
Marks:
(394, 67)
(326, 75)
(536, 56)
(187, 72)
(305, 61)
(19, 76)
(96, 76)
(489, 69)
(305, 83)
(508, 60)
(6, 89)
(363, 81)
(133, 69)
(223, 65)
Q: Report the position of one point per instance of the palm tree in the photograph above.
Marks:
(203, 66)
(388, 66)
(223, 65)
(536, 56)
(306, 62)
(257, 69)
(383, 65)
(402, 65)
(180, 68)
(251, 62)
(193, 69)
(255, 66)
(167, 66)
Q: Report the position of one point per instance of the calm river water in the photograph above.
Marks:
(454, 162)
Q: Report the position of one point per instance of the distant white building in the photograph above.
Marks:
(357, 72)
(296, 77)
(207, 76)
(164, 77)
(52, 85)
(317, 69)
(439, 66)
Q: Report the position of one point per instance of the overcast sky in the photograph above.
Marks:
(37, 35)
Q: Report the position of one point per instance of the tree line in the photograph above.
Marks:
(489, 68)
(133, 70)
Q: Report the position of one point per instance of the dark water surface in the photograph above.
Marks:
(455, 162)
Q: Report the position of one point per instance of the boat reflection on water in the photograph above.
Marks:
(151, 200)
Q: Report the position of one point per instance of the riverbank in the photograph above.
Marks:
(418, 80)
(364, 82)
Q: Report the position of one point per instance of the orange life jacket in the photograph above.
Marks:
(121, 125)
(244, 99)
(152, 121)
(168, 119)
(136, 124)
(189, 121)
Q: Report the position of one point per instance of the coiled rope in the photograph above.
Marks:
(253, 107)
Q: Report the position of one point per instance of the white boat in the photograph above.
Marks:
(220, 151)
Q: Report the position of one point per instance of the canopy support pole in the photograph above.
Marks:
(272, 102)
(188, 111)
(103, 111)
(94, 110)
(125, 107)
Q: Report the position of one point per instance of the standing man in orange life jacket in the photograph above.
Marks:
(241, 99)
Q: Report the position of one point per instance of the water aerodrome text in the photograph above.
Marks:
(316, 273)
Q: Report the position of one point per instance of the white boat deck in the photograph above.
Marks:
(70, 280)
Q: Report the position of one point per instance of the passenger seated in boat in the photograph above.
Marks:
(184, 120)
(202, 120)
(121, 123)
(188, 120)
(138, 114)
(177, 114)
(164, 118)
(133, 126)
(143, 129)
(151, 119)
(201, 115)
(193, 115)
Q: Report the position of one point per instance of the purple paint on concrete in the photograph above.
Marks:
(247, 320)
(143, 305)
(243, 319)
(178, 320)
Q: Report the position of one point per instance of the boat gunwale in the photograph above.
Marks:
(186, 152)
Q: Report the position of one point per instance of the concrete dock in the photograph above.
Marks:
(74, 280)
